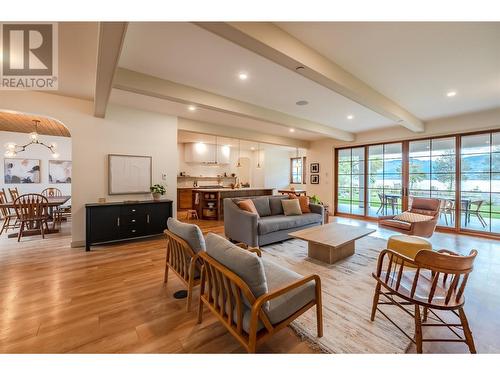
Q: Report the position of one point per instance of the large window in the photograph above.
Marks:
(297, 171)
(462, 171)
(431, 174)
(480, 182)
(385, 175)
(351, 181)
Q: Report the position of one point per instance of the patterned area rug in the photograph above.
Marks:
(347, 299)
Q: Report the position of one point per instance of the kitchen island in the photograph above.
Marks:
(208, 201)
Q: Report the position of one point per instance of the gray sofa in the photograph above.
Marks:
(271, 225)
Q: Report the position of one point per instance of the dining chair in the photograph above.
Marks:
(434, 280)
(51, 192)
(32, 213)
(382, 199)
(6, 215)
(14, 193)
(447, 207)
(477, 212)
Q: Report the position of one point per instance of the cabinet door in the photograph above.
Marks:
(158, 216)
(104, 223)
(185, 199)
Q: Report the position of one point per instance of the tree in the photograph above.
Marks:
(444, 168)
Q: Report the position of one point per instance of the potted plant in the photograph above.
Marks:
(157, 190)
(315, 199)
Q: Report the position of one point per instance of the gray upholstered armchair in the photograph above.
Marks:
(270, 225)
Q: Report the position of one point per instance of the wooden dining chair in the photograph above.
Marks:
(51, 192)
(6, 215)
(14, 193)
(432, 281)
(32, 213)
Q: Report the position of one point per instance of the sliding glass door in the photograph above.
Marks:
(462, 171)
(351, 181)
(385, 179)
(480, 182)
(431, 174)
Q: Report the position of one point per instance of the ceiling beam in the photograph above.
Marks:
(238, 133)
(111, 37)
(273, 43)
(144, 84)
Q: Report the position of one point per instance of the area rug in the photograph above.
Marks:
(347, 299)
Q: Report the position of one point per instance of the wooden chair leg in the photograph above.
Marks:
(426, 313)
(21, 229)
(42, 230)
(375, 301)
(418, 329)
(200, 312)
(4, 225)
(467, 332)
(190, 294)
(165, 279)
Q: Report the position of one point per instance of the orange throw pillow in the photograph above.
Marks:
(304, 204)
(247, 205)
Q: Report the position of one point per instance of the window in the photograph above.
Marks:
(297, 170)
(351, 181)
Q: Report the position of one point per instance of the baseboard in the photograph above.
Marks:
(77, 243)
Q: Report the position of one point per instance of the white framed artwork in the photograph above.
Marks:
(129, 174)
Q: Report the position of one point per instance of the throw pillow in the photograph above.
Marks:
(411, 217)
(303, 201)
(291, 207)
(247, 205)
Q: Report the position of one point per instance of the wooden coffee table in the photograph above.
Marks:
(331, 242)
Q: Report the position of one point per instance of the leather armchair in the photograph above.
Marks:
(423, 206)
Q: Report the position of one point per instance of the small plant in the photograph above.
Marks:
(315, 199)
(158, 189)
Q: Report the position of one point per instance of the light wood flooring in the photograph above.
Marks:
(55, 299)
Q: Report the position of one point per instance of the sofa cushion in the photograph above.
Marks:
(276, 223)
(247, 205)
(396, 224)
(245, 264)
(188, 232)
(285, 305)
(262, 206)
(275, 204)
(412, 217)
(303, 201)
(291, 207)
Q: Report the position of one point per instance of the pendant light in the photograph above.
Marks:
(12, 149)
(216, 151)
(258, 155)
(239, 154)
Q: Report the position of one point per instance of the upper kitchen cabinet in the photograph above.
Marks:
(204, 153)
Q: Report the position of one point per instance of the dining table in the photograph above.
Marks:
(53, 203)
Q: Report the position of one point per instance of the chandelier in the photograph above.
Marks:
(13, 149)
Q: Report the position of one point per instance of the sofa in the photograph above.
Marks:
(270, 225)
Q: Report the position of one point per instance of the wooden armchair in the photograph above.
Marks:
(184, 262)
(433, 281)
(9, 218)
(235, 292)
(423, 206)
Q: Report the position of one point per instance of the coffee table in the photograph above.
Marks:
(331, 242)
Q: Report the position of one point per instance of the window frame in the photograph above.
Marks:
(303, 170)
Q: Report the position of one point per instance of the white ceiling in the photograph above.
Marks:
(187, 54)
(415, 63)
(206, 115)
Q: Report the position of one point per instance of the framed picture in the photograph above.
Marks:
(314, 168)
(129, 174)
(21, 171)
(315, 179)
(60, 171)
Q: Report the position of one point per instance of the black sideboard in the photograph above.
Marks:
(119, 221)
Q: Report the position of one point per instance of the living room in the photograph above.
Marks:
(289, 185)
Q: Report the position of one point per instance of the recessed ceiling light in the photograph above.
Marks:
(451, 94)
(292, 130)
(350, 117)
(243, 76)
(302, 102)
(252, 148)
(192, 108)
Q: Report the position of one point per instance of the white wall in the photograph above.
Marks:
(323, 151)
(276, 168)
(40, 153)
(123, 131)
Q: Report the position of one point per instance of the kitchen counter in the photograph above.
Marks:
(227, 189)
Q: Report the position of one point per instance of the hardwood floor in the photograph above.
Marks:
(56, 299)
